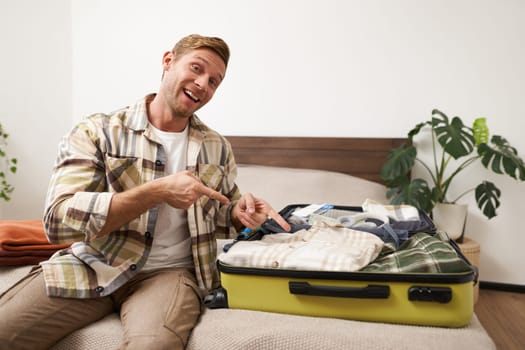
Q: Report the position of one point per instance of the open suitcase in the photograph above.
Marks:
(433, 299)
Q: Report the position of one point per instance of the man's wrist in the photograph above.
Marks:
(234, 218)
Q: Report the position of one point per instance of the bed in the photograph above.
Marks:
(286, 170)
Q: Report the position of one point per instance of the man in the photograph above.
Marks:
(141, 194)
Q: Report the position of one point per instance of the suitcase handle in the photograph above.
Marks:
(369, 292)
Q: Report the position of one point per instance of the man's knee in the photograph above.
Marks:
(165, 339)
(165, 325)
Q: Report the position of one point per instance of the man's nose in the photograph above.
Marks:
(200, 81)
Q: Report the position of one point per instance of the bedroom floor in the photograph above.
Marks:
(502, 316)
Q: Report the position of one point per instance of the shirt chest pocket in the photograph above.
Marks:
(122, 173)
(211, 175)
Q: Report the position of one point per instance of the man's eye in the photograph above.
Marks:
(195, 67)
(213, 82)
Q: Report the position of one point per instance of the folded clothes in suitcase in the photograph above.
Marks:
(348, 265)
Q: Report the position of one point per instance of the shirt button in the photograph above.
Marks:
(133, 267)
(147, 234)
(99, 289)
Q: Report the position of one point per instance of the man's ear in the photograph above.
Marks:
(167, 59)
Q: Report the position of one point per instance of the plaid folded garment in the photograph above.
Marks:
(421, 253)
(320, 248)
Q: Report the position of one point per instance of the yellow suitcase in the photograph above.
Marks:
(431, 299)
(444, 300)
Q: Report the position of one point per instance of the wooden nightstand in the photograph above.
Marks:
(470, 248)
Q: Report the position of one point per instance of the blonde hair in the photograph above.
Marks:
(196, 41)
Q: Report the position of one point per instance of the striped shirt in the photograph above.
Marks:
(105, 154)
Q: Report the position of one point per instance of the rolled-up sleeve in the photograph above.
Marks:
(77, 201)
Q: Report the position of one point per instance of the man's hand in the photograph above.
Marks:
(185, 188)
(179, 190)
(252, 212)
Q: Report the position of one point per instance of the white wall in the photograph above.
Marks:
(298, 68)
(35, 95)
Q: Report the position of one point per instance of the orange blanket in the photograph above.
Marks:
(23, 242)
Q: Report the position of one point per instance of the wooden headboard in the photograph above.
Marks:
(360, 157)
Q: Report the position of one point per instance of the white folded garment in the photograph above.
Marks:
(400, 212)
(320, 248)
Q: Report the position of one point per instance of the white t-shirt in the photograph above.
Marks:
(171, 240)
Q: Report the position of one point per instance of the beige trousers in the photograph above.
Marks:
(158, 310)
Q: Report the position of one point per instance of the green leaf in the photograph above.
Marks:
(502, 158)
(399, 162)
(8, 165)
(416, 130)
(400, 182)
(416, 193)
(455, 138)
(4, 196)
(437, 196)
(487, 197)
(481, 131)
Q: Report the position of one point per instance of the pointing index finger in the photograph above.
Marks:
(204, 190)
(279, 219)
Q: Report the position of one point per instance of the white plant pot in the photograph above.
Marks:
(450, 218)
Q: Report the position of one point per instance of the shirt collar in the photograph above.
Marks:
(136, 117)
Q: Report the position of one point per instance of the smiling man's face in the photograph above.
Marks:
(190, 80)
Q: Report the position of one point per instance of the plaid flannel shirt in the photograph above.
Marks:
(421, 253)
(106, 154)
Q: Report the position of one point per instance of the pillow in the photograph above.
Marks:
(283, 186)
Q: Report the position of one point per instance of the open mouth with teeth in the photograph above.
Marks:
(191, 95)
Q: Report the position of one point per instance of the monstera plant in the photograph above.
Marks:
(451, 140)
(7, 165)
